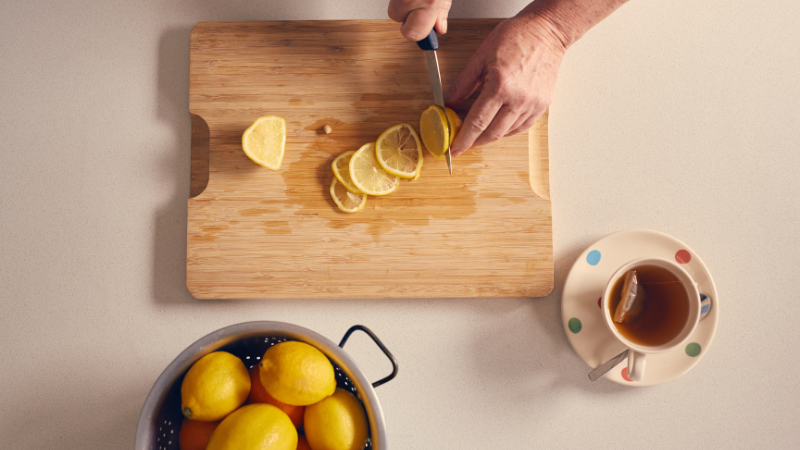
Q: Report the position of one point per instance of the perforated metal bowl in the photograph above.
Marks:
(160, 419)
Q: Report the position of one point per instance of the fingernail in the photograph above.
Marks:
(444, 26)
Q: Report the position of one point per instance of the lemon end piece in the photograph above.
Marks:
(264, 141)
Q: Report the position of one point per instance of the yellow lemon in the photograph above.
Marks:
(434, 129)
(336, 423)
(255, 427)
(264, 141)
(297, 373)
(346, 200)
(399, 151)
(455, 123)
(216, 385)
(341, 170)
(367, 173)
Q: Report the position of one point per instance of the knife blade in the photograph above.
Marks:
(430, 44)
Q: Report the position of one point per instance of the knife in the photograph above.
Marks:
(430, 44)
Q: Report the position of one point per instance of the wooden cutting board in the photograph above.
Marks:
(485, 231)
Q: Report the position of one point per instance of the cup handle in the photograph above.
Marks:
(636, 362)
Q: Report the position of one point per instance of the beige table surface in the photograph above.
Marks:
(677, 116)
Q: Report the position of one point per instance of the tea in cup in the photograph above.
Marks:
(668, 314)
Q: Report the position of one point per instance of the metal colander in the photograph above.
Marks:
(160, 419)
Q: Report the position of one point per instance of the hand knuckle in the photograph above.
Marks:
(493, 135)
(479, 124)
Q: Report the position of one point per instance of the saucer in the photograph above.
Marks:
(583, 320)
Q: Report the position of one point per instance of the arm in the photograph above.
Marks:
(517, 63)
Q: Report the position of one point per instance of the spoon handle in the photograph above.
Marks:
(608, 365)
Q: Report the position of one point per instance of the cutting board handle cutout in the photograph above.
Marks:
(200, 150)
(539, 156)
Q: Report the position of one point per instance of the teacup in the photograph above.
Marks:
(669, 315)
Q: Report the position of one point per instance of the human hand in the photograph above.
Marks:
(517, 65)
(420, 16)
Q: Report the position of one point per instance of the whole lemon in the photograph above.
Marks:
(297, 373)
(255, 427)
(336, 423)
(216, 385)
(260, 395)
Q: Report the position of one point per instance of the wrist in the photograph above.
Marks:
(568, 20)
(545, 29)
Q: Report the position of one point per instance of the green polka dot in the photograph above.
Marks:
(574, 325)
(693, 349)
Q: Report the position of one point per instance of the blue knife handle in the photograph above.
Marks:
(431, 42)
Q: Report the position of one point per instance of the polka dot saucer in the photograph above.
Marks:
(583, 319)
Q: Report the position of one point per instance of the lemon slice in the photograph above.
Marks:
(399, 151)
(346, 200)
(341, 170)
(434, 131)
(264, 141)
(367, 173)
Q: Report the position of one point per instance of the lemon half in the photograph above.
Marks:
(434, 130)
(264, 141)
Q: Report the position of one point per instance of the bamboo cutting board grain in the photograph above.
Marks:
(485, 231)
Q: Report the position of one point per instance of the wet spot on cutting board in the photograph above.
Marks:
(308, 180)
(214, 229)
(250, 212)
(277, 227)
(297, 102)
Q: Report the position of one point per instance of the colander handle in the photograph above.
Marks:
(380, 345)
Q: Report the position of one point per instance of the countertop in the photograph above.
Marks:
(676, 116)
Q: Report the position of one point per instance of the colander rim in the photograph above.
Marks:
(145, 429)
